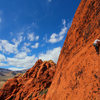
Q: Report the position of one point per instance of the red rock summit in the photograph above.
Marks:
(33, 85)
(77, 76)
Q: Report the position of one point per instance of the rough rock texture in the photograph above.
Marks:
(77, 76)
(32, 85)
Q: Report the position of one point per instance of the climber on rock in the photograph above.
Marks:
(97, 45)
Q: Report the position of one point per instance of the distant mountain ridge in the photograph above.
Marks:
(32, 85)
(4, 70)
(8, 70)
(6, 74)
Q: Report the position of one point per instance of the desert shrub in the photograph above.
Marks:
(43, 91)
(19, 75)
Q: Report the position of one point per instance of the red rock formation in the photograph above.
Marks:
(77, 76)
(32, 85)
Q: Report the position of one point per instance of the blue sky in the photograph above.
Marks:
(32, 30)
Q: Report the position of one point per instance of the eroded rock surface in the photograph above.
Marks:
(77, 76)
(33, 85)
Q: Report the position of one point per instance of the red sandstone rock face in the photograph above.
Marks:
(77, 76)
(33, 85)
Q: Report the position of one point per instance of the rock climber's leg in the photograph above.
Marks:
(97, 48)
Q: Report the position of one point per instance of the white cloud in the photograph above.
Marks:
(25, 49)
(7, 47)
(19, 62)
(35, 46)
(37, 37)
(23, 61)
(16, 69)
(32, 37)
(51, 54)
(3, 64)
(27, 44)
(21, 55)
(54, 38)
(19, 40)
(0, 47)
(26, 62)
(2, 58)
(64, 22)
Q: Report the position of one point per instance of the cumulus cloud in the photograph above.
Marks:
(17, 42)
(51, 54)
(37, 37)
(2, 58)
(27, 44)
(21, 55)
(13, 47)
(54, 38)
(64, 22)
(19, 62)
(16, 69)
(23, 61)
(32, 37)
(3, 64)
(35, 46)
(19, 39)
(0, 47)
(7, 47)
(26, 62)
(25, 49)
